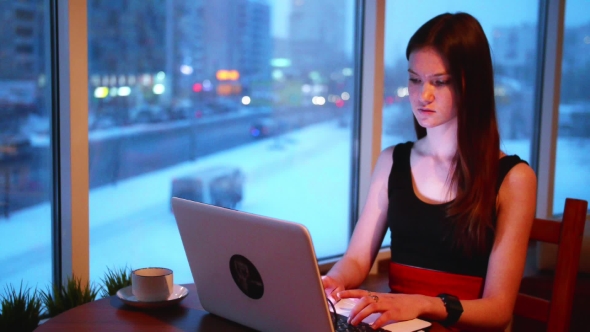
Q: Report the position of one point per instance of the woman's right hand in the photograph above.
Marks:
(332, 287)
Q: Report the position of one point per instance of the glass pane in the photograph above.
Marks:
(571, 166)
(25, 158)
(242, 104)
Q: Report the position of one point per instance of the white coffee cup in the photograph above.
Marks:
(152, 284)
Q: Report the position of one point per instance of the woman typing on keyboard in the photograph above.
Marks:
(459, 209)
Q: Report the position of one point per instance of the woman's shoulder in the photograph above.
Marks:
(520, 171)
(393, 152)
(515, 174)
(397, 148)
(517, 194)
(514, 165)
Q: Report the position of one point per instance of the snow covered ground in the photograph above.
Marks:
(303, 176)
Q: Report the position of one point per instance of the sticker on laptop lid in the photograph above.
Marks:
(246, 276)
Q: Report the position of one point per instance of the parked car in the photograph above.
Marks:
(184, 109)
(14, 147)
(221, 186)
(146, 113)
(100, 121)
(264, 127)
(223, 105)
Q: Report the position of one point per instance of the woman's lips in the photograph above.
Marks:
(425, 110)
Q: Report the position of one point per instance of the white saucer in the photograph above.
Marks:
(178, 294)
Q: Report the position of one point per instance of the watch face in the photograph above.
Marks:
(454, 303)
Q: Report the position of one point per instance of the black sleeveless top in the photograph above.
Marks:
(421, 234)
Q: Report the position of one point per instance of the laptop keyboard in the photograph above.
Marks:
(343, 326)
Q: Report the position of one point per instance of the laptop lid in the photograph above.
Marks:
(258, 271)
(254, 270)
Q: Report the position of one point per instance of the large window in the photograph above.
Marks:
(241, 104)
(25, 158)
(571, 165)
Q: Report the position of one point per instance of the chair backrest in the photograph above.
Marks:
(567, 234)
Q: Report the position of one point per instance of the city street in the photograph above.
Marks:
(131, 223)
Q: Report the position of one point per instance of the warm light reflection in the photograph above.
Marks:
(227, 75)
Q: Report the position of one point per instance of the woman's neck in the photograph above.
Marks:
(441, 142)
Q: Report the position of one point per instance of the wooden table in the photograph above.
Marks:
(110, 314)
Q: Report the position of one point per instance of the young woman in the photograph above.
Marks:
(459, 209)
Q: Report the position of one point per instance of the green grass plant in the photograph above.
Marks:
(114, 280)
(21, 310)
(71, 294)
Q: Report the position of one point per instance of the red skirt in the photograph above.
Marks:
(414, 280)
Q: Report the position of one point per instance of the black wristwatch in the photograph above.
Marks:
(454, 309)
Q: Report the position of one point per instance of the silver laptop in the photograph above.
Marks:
(257, 271)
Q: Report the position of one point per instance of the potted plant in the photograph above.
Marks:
(21, 310)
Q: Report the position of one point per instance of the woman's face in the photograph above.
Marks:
(431, 90)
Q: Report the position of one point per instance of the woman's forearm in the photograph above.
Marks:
(480, 314)
(349, 272)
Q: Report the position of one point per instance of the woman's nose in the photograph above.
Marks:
(427, 95)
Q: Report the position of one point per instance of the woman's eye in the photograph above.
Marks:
(441, 82)
(414, 80)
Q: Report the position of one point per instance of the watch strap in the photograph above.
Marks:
(453, 307)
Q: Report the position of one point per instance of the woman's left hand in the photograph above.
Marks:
(393, 307)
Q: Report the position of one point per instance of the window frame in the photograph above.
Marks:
(547, 97)
(70, 141)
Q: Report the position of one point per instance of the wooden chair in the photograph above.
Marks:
(567, 234)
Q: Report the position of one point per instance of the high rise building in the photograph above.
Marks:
(22, 60)
(188, 41)
(21, 39)
(121, 42)
(513, 48)
(185, 49)
(317, 34)
(237, 37)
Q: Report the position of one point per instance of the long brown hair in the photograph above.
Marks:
(460, 40)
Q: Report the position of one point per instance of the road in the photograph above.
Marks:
(120, 153)
(131, 222)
